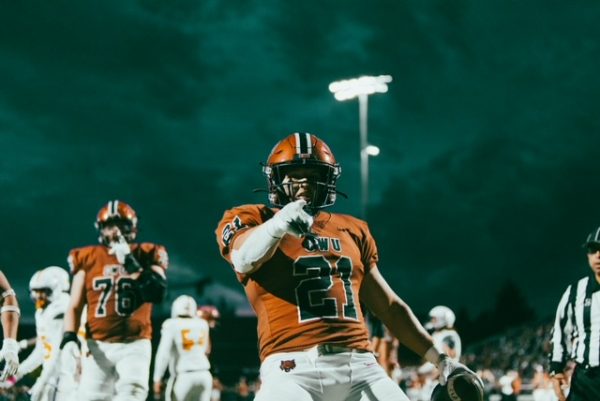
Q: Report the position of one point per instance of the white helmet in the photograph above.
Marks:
(441, 317)
(53, 279)
(184, 305)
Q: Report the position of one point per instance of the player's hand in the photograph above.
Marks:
(120, 249)
(69, 357)
(36, 391)
(157, 390)
(446, 366)
(9, 354)
(559, 383)
(292, 219)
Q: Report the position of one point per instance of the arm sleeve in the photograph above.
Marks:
(34, 359)
(562, 331)
(161, 360)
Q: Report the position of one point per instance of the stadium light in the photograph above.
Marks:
(361, 88)
(373, 150)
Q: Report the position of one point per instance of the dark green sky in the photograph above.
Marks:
(488, 133)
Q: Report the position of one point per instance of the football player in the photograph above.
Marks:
(9, 316)
(116, 282)
(184, 345)
(441, 326)
(305, 271)
(49, 291)
(445, 339)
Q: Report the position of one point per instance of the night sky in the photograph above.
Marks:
(488, 134)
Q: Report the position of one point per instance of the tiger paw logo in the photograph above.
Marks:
(286, 366)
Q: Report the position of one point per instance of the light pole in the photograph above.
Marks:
(361, 88)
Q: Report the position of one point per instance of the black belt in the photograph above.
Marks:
(328, 349)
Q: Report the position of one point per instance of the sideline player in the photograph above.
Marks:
(445, 337)
(305, 272)
(184, 345)
(49, 291)
(9, 315)
(117, 282)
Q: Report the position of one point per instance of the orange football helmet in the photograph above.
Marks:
(121, 214)
(302, 149)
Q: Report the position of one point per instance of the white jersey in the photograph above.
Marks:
(447, 339)
(183, 345)
(49, 331)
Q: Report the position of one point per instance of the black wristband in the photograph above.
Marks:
(131, 264)
(556, 368)
(69, 336)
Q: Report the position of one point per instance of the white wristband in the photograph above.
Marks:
(10, 308)
(10, 344)
(8, 293)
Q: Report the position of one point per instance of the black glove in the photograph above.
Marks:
(131, 264)
(152, 286)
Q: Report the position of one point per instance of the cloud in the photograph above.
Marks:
(500, 208)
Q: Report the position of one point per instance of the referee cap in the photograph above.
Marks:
(592, 238)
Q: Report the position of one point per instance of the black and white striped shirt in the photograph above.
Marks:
(576, 332)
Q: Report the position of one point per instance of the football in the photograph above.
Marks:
(462, 385)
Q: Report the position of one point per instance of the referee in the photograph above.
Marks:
(576, 332)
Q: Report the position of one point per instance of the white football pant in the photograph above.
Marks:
(115, 371)
(189, 386)
(345, 376)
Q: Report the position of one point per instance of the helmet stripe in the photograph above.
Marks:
(303, 144)
(115, 208)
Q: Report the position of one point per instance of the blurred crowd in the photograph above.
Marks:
(513, 366)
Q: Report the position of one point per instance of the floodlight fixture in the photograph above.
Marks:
(366, 85)
(361, 88)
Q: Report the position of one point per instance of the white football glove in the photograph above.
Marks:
(69, 361)
(446, 366)
(120, 249)
(291, 219)
(35, 392)
(9, 354)
(69, 358)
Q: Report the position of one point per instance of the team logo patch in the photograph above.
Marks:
(287, 365)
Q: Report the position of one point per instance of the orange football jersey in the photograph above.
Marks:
(308, 292)
(111, 304)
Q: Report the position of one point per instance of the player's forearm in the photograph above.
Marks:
(76, 303)
(10, 317)
(10, 309)
(402, 322)
(72, 318)
(161, 360)
(254, 247)
(33, 361)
